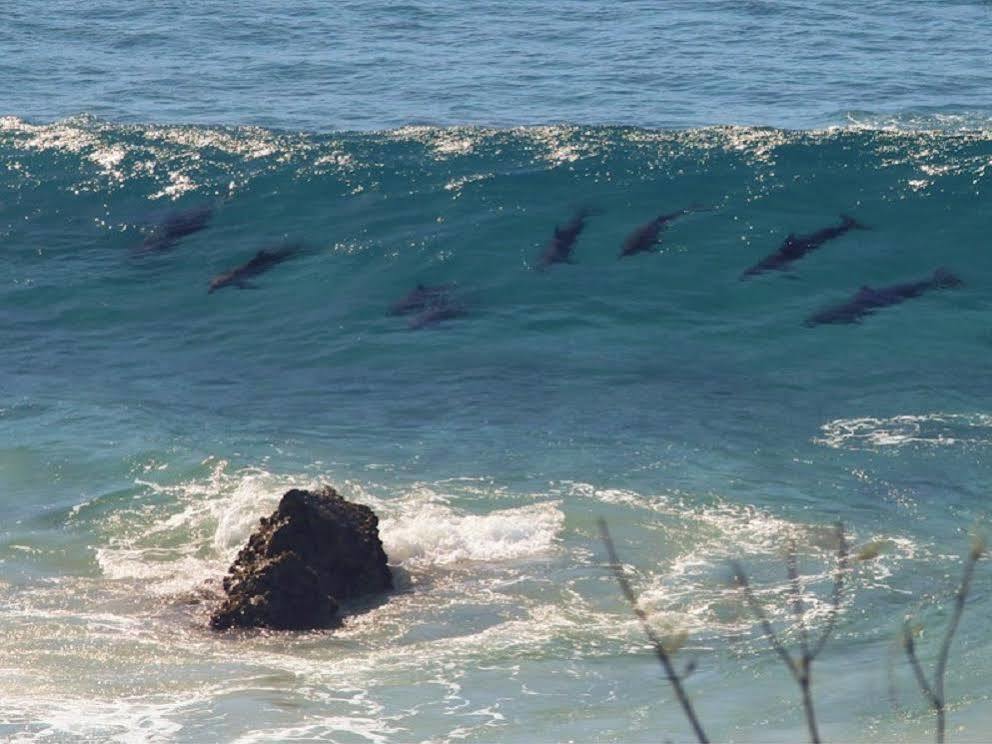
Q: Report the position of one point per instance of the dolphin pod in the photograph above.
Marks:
(795, 247)
(433, 304)
(261, 262)
(867, 300)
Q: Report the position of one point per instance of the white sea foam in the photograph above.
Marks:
(179, 184)
(501, 591)
(180, 159)
(446, 142)
(963, 123)
(929, 429)
(691, 588)
(433, 534)
(457, 184)
(125, 721)
(251, 143)
(195, 537)
(561, 144)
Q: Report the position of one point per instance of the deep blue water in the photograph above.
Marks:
(146, 424)
(362, 65)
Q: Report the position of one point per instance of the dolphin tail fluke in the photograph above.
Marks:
(944, 279)
(699, 207)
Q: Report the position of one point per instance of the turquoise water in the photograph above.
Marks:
(146, 424)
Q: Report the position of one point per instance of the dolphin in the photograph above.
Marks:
(446, 309)
(867, 300)
(795, 246)
(419, 298)
(176, 225)
(644, 238)
(559, 248)
(261, 262)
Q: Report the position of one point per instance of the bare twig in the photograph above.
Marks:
(801, 666)
(842, 560)
(897, 648)
(659, 648)
(914, 663)
(762, 616)
(934, 691)
(792, 567)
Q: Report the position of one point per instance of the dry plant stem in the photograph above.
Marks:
(914, 663)
(659, 647)
(792, 566)
(802, 667)
(935, 693)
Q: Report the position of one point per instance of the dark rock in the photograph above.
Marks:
(315, 550)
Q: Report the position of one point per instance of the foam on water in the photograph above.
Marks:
(432, 534)
(693, 591)
(59, 718)
(490, 591)
(187, 542)
(182, 159)
(197, 532)
(927, 429)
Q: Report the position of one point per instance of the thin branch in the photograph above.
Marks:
(659, 647)
(804, 685)
(762, 616)
(801, 668)
(792, 568)
(959, 600)
(934, 692)
(914, 662)
(838, 590)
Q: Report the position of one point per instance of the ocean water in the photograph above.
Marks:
(146, 424)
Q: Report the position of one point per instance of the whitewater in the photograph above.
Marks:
(147, 423)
